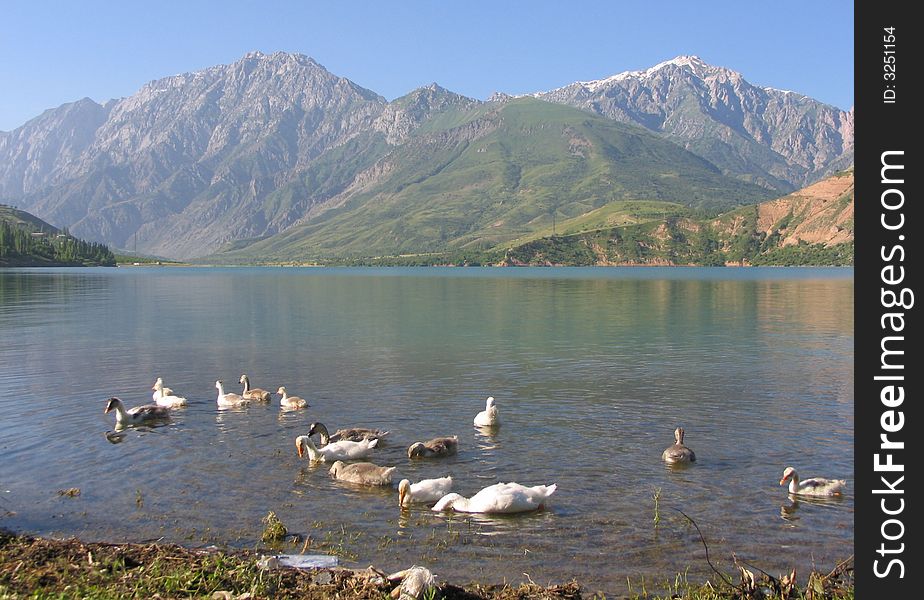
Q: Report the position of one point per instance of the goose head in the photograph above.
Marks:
(447, 501)
(113, 404)
(220, 386)
(158, 385)
(789, 473)
(321, 430)
(244, 379)
(678, 435)
(416, 449)
(489, 403)
(281, 391)
(336, 468)
(404, 490)
(304, 444)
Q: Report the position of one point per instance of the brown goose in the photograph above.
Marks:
(144, 414)
(678, 453)
(255, 394)
(441, 446)
(365, 473)
(352, 434)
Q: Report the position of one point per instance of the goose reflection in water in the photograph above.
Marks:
(487, 437)
(115, 437)
(789, 510)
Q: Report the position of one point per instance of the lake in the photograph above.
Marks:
(592, 369)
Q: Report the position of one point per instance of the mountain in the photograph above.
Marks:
(273, 153)
(775, 138)
(811, 226)
(184, 165)
(478, 175)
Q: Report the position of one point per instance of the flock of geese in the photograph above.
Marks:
(356, 443)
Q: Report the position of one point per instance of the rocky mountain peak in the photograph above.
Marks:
(403, 115)
(780, 140)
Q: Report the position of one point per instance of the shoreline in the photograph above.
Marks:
(35, 567)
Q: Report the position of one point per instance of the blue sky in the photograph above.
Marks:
(57, 52)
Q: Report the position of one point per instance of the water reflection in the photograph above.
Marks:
(595, 369)
(487, 437)
(115, 437)
(790, 511)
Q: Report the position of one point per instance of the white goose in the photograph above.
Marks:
(342, 450)
(288, 401)
(144, 414)
(166, 391)
(229, 399)
(487, 417)
(426, 490)
(163, 396)
(499, 498)
(816, 486)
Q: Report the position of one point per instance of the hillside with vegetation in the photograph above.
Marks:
(475, 177)
(813, 226)
(27, 241)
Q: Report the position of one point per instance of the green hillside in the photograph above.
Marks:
(27, 241)
(813, 226)
(473, 178)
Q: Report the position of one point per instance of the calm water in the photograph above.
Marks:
(592, 369)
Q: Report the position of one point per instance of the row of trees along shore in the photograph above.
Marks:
(18, 246)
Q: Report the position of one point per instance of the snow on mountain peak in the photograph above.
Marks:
(697, 66)
(683, 60)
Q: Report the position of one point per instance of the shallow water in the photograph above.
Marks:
(592, 369)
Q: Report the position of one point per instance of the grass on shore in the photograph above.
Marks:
(40, 568)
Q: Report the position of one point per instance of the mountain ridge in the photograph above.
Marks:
(202, 160)
(758, 133)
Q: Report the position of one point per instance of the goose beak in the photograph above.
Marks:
(401, 495)
(783, 481)
(299, 448)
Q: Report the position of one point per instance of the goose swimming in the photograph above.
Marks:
(353, 434)
(816, 486)
(365, 473)
(288, 401)
(229, 399)
(255, 394)
(500, 498)
(487, 417)
(163, 396)
(342, 450)
(426, 490)
(678, 453)
(441, 446)
(144, 414)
